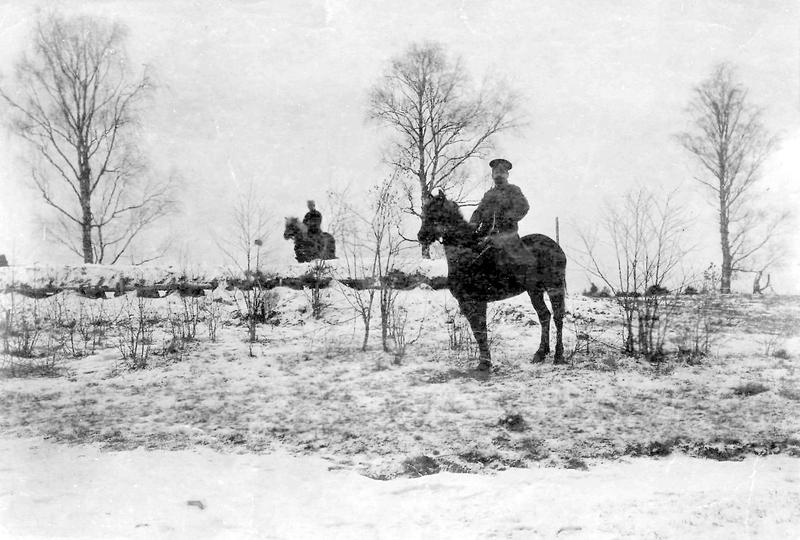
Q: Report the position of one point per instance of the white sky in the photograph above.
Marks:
(276, 92)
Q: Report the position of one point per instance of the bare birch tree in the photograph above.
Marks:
(439, 120)
(731, 143)
(75, 103)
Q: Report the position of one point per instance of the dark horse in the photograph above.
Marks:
(477, 274)
(308, 247)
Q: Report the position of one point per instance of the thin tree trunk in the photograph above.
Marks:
(426, 249)
(727, 261)
(86, 216)
(366, 336)
(385, 320)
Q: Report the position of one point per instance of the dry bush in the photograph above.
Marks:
(23, 329)
(182, 325)
(51, 363)
(84, 329)
(772, 343)
(48, 359)
(137, 324)
(211, 309)
(694, 335)
(94, 321)
(400, 331)
(458, 331)
(371, 244)
(635, 252)
(319, 273)
(244, 239)
(189, 316)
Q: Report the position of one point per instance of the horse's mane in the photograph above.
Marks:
(453, 211)
(454, 208)
(460, 229)
(292, 220)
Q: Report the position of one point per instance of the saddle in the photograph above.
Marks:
(507, 251)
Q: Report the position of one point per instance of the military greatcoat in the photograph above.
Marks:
(500, 210)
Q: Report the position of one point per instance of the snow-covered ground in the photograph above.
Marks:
(302, 434)
(56, 491)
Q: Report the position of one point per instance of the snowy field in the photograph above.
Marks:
(303, 435)
(58, 491)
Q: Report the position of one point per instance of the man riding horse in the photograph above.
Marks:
(310, 241)
(487, 261)
(495, 219)
(313, 222)
(313, 219)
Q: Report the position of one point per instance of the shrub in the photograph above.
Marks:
(781, 353)
(137, 333)
(750, 389)
(594, 292)
(23, 330)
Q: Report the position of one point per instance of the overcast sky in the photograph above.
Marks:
(277, 91)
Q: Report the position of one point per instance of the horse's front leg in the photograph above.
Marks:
(475, 312)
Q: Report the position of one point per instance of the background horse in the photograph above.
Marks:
(475, 277)
(308, 247)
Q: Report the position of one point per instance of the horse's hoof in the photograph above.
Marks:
(559, 360)
(484, 365)
(538, 358)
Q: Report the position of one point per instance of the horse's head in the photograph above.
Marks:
(293, 228)
(438, 214)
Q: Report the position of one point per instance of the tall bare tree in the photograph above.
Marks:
(439, 120)
(729, 140)
(75, 103)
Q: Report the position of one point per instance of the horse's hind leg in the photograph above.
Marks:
(557, 301)
(537, 299)
(475, 313)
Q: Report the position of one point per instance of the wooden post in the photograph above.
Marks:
(557, 232)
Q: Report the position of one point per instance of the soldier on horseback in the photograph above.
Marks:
(313, 222)
(310, 241)
(495, 219)
(313, 219)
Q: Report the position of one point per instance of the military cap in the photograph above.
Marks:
(500, 161)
